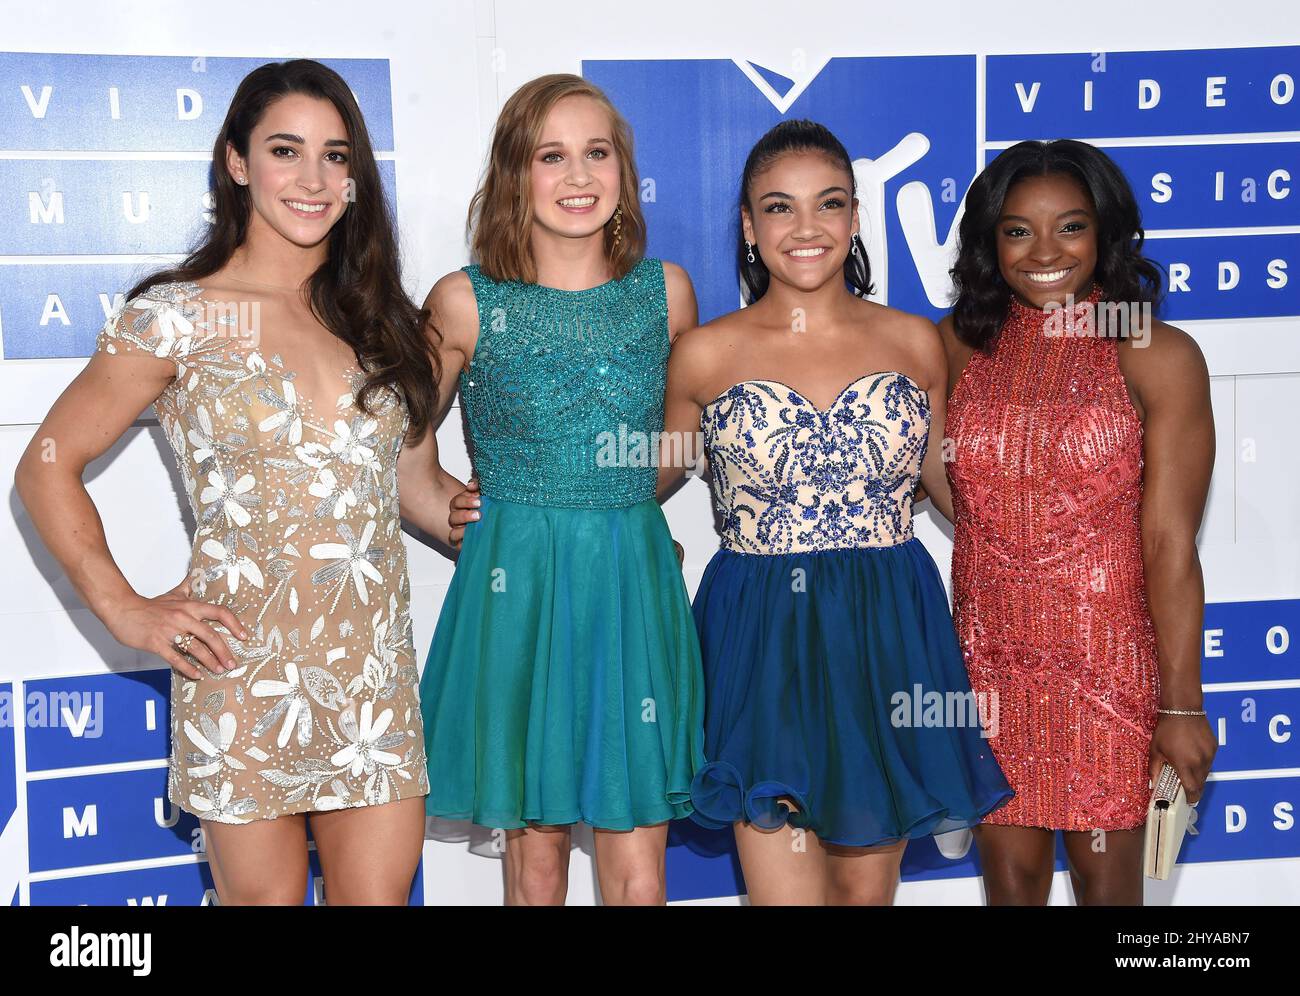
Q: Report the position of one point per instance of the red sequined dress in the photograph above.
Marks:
(1048, 591)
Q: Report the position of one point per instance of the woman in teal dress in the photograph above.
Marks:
(563, 681)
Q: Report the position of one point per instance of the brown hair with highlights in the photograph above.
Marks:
(500, 217)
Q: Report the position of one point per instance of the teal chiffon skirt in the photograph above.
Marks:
(563, 683)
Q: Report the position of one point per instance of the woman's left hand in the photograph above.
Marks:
(1188, 743)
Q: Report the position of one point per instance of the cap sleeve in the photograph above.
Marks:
(161, 322)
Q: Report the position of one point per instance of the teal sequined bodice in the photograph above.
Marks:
(566, 389)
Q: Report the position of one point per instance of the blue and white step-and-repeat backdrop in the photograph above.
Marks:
(107, 117)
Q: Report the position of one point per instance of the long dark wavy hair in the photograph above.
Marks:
(796, 135)
(982, 295)
(356, 292)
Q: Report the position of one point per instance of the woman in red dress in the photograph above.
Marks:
(1079, 453)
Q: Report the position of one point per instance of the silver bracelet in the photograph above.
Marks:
(1181, 712)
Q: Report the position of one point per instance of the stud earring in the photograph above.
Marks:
(240, 180)
(749, 251)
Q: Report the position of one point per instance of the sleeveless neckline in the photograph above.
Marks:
(564, 392)
(560, 291)
(1020, 313)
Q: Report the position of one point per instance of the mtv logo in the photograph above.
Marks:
(908, 123)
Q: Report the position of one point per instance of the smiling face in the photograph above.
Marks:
(576, 174)
(296, 170)
(801, 217)
(1047, 239)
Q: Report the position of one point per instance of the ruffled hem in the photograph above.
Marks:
(721, 800)
(834, 677)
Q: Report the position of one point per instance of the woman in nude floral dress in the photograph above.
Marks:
(287, 376)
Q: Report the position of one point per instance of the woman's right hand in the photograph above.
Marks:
(153, 623)
(462, 509)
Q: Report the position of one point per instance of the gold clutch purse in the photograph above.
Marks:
(1167, 817)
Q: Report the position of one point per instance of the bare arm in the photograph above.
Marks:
(934, 475)
(683, 312)
(956, 355)
(426, 490)
(1173, 385)
(90, 416)
(682, 441)
(683, 449)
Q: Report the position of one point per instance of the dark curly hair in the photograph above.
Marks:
(798, 135)
(983, 296)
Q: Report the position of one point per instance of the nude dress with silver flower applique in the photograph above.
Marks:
(298, 533)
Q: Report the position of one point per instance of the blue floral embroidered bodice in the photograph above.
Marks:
(560, 381)
(789, 477)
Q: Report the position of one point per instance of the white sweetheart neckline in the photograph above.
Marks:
(803, 397)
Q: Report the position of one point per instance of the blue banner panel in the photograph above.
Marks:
(105, 818)
(55, 102)
(97, 719)
(1121, 94)
(1251, 641)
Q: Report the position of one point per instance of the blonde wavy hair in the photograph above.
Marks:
(500, 218)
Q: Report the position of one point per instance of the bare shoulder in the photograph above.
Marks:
(453, 311)
(916, 339)
(959, 353)
(683, 312)
(676, 280)
(948, 333)
(704, 343)
(700, 355)
(1163, 357)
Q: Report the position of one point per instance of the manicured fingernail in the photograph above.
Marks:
(473, 515)
(243, 633)
(477, 502)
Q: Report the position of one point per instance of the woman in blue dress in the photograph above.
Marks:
(839, 720)
(563, 681)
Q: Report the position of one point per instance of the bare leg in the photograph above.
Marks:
(630, 866)
(369, 854)
(862, 876)
(1106, 868)
(263, 863)
(783, 867)
(1017, 863)
(537, 866)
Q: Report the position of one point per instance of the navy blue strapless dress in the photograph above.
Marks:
(833, 676)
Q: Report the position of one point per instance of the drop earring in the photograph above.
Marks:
(749, 251)
(618, 225)
(854, 244)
